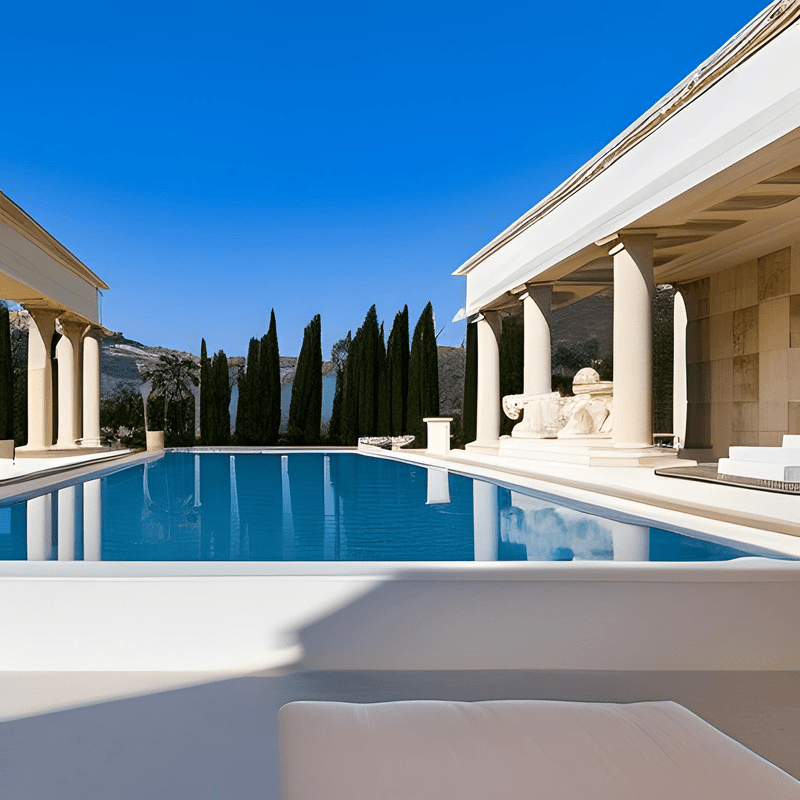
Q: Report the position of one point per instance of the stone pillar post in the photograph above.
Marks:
(69, 411)
(91, 389)
(488, 411)
(40, 377)
(633, 341)
(536, 308)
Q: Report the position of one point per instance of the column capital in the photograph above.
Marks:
(494, 319)
(93, 331)
(43, 315)
(621, 240)
(540, 293)
(73, 329)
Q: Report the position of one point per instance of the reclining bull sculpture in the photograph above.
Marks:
(550, 416)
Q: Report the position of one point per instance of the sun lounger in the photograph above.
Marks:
(513, 749)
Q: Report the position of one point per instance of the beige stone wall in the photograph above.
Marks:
(743, 353)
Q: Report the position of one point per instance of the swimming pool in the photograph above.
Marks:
(327, 507)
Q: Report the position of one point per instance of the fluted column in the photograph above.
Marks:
(536, 309)
(633, 341)
(91, 389)
(40, 377)
(488, 410)
(69, 410)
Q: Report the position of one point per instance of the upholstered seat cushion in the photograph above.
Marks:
(499, 750)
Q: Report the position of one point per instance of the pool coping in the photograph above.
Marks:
(250, 616)
(574, 494)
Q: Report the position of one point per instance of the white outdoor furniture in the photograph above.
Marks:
(513, 749)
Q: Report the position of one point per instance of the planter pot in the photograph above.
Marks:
(155, 440)
(6, 448)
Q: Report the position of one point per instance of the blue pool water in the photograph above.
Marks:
(318, 507)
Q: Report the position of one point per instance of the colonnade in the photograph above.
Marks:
(78, 356)
(634, 285)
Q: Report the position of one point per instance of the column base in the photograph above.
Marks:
(33, 448)
(589, 452)
(90, 442)
(487, 447)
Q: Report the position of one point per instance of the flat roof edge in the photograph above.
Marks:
(762, 29)
(24, 223)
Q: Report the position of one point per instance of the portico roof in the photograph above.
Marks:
(36, 269)
(712, 170)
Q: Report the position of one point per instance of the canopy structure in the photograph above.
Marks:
(61, 295)
(701, 192)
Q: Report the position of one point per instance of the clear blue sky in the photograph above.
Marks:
(212, 161)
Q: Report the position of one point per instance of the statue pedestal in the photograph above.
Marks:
(588, 451)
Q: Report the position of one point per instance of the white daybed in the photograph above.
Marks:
(512, 749)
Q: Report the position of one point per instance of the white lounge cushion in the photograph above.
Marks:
(499, 750)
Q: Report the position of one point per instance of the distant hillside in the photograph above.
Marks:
(592, 318)
(122, 360)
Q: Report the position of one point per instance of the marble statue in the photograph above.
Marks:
(550, 416)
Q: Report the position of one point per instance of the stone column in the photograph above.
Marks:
(536, 308)
(69, 410)
(488, 410)
(40, 377)
(91, 388)
(633, 341)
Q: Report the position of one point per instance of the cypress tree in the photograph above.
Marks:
(423, 377)
(339, 355)
(219, 412)
(246, 432)
(259, 395)
(270, 369)
(469, 408)
(305, 409)
(663, 304)
(206, 391)
(397, 373)
(351, 392)
(383, 411)
(6, 376)
(512, 363)
(369, 360)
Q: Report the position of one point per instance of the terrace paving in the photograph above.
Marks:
(219, 739)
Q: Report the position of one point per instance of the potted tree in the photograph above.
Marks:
(170, 379)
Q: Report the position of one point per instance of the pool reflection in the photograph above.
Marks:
(317, 507)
